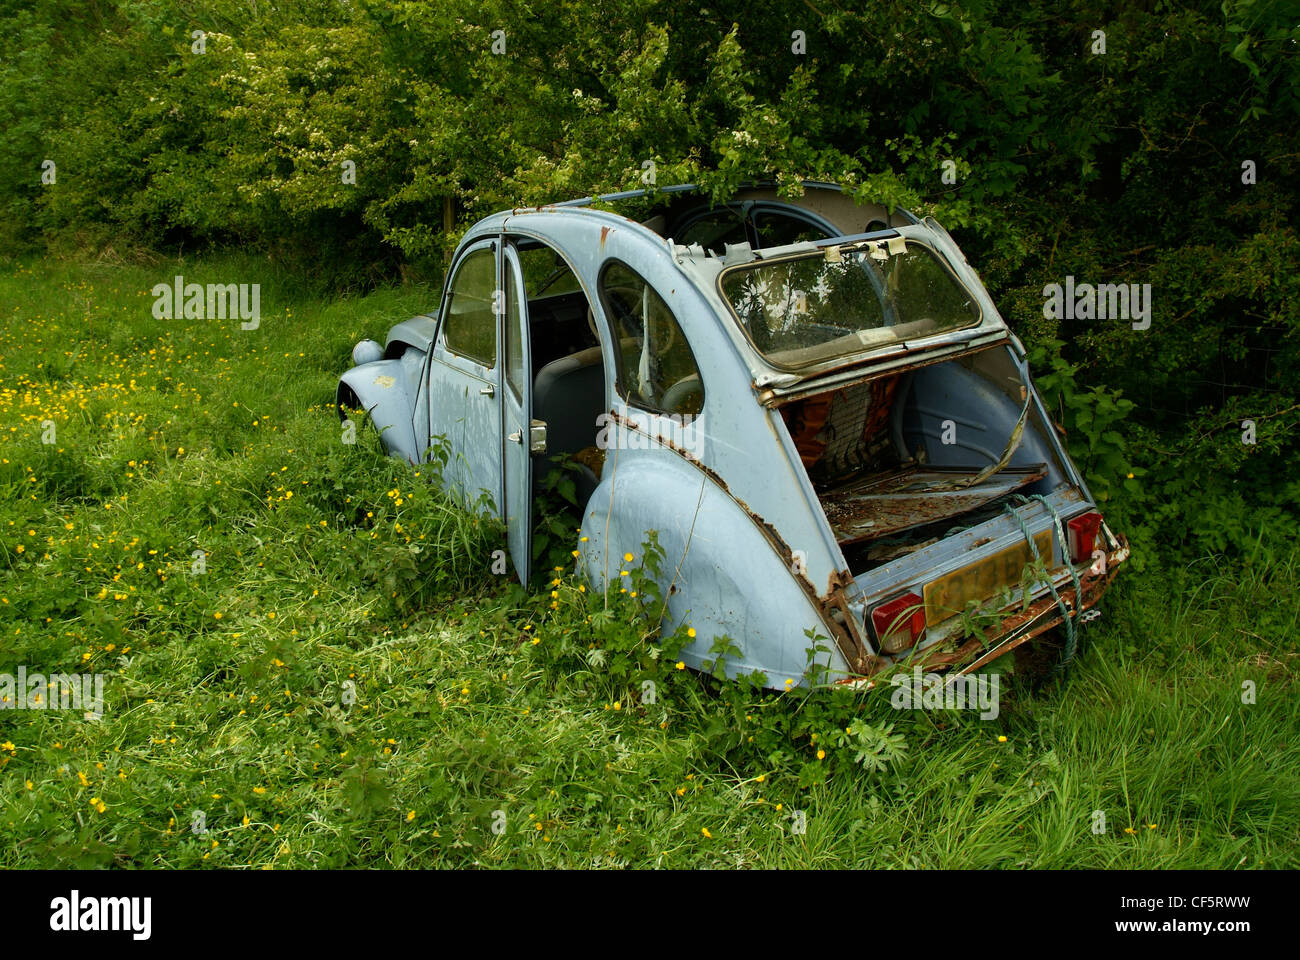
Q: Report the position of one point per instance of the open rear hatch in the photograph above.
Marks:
(948, 493)
(904, 458)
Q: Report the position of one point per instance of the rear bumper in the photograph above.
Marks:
(1019, 624)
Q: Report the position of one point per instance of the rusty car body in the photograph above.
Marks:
(814, 403)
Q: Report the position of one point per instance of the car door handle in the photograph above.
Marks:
(488, 391)
(516, 437)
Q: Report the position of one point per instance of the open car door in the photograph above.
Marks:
(517, 414)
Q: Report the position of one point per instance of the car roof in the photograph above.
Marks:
(825, 201)
(549, 222)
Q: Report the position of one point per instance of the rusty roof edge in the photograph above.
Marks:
(774, 394)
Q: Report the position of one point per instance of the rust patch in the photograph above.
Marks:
(604, 232)
(1018, 626)
(873, 506)
(816, 383)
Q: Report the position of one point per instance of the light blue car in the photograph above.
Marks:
(814, 403)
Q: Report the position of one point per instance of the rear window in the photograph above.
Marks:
(842, 300)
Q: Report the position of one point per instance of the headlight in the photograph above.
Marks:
(367, 351)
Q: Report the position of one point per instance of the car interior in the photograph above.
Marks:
(568, 369)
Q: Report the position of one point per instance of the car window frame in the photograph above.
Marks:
(488, 245)
(748, 212)
(847, 358)
(619, 387)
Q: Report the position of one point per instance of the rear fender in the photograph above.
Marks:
(720, 574)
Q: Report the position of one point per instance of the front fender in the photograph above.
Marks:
(721, 575)
(385, 391)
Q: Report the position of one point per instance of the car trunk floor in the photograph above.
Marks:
(873, 506)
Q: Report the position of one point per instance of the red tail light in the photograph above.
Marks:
(899, 622)
(1083, 531)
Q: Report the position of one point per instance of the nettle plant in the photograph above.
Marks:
(1092, 419)
(616, 631)
(612, 640)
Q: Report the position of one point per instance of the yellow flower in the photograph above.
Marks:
(410, 815)
(1001, 739)
(259, 789)
(690, 632)
(681, 665)
(217, 615)
(705, 831)
(618, 705)
(627, 558)
(681, 791)
(821, 754)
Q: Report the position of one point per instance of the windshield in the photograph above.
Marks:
(842, 300)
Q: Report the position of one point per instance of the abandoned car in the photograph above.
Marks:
(813, 403)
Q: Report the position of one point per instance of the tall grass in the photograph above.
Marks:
(308, 657)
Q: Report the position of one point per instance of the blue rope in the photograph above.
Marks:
(1071, 637)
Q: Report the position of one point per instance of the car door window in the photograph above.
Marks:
(471, 329)
(656, 368)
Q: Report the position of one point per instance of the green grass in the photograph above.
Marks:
(345, 683)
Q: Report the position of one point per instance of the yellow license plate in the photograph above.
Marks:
(948, 596)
